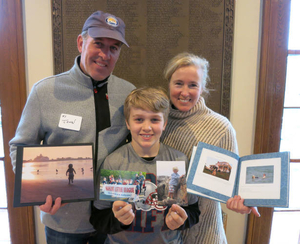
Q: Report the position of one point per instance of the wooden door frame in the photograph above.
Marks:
(13, 98)
(274, 50)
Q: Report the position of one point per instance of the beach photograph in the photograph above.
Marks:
(59, 171)
(260, 175)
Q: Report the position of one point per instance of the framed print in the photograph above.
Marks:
(64, 171)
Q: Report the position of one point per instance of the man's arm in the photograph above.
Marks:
(29, 131)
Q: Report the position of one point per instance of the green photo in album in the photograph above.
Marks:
(261, 179)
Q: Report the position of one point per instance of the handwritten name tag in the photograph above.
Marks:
(70, 122)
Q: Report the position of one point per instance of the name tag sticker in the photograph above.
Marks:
(70, 122)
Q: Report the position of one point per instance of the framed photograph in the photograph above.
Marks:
(64, 171)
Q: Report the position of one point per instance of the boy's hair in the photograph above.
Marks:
(148, 98)
(175, 168)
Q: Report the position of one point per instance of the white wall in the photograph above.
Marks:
(245, 72)
(39, 64)
(39, 56)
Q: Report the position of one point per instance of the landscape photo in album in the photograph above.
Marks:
(217, 168)
(59, 171)
(260, 175)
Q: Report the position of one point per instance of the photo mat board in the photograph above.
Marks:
(64, 171)
(156, 31)
(261, 179)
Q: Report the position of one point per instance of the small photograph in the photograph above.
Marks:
(60, 171)
(121, 185)
(217, 168)
(260, 175)
(171, 183)
(130, 186)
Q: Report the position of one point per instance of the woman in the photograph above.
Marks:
(190, 121)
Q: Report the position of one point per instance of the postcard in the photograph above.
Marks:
(64, 171)
(261, 179)
(142, 191)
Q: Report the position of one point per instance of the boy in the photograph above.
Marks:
(173, 182)
(146, 112)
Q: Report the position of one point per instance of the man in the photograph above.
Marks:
(90, 93)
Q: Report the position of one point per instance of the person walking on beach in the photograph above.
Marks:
(71, 172)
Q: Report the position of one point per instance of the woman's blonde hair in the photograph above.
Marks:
(188, 59)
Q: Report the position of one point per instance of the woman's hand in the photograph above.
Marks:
(236, 204)
(123, 212)
(175, 217)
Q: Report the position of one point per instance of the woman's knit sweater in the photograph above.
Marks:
(183, 131)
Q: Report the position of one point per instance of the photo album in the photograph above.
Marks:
(139, 188)
(261, 179)
(64, 171)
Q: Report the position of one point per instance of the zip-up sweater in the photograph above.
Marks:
(71, 93)
(183, 131)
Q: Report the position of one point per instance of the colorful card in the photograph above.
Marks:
(137, 187)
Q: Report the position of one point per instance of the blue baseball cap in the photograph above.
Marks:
(101, 24)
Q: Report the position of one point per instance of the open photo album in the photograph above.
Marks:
(261, 179)
(64, 171)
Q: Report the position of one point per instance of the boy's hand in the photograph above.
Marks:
(236, 204)
(175, 217)
(49, 208)
(123, 212)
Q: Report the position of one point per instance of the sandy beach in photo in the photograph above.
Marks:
(37, 191)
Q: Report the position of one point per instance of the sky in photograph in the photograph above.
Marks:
(57, 152)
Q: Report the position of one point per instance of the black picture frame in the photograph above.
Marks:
(42, 170)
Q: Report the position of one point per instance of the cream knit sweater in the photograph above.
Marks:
(183, 131)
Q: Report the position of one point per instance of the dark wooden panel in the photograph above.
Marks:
(156, 31)
(274, 51)
(12, 97)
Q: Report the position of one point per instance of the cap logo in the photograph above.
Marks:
(112, 21)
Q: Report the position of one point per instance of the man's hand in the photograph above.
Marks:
(236, 204)
(175, 217)
(49, 208)
(123, 212)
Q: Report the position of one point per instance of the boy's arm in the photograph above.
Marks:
(193, 214)
(104, 220)
(192, 211)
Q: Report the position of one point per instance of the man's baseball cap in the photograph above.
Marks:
(101, 24)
